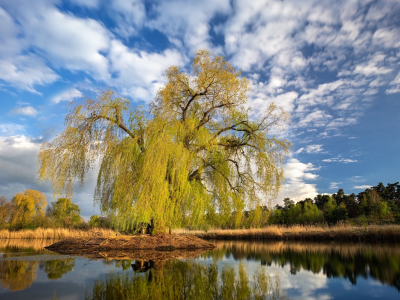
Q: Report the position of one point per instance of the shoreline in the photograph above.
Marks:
(371, 233)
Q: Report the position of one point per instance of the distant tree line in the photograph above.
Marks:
(376, 205)
(29, 210)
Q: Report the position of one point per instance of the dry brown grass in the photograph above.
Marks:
(55, 233)
(339, 232)
(35, 244)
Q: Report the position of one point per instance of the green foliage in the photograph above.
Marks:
(329, 208)
(397, 218)
(94, 221)
(277, 217)
(65, 213)
(103, 222)
(27, 205)
(311, 214)
(376, 205)
(6, 211)
(195, 154)
(256, 218)
(17, 275)
(340, 213)
(55, 269)
(303, 212)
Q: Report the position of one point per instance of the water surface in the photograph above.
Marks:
(235, 269)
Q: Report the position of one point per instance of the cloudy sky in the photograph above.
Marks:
(333, 65)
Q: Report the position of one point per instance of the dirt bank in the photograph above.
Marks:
(159, 247)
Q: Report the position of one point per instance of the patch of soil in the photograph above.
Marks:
(158, 247)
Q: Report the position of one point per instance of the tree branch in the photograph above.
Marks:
(119, 124)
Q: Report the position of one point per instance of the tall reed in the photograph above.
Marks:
(55, 233)
(298, 232)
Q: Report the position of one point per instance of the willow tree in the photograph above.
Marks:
(194, 154)
(27, 205)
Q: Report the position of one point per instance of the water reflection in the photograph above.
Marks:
(350, 261)
(55, 269)
(186, 280)
(27, 245)
(17, 275)
(233, 270)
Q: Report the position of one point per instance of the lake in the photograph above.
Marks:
(233, 270)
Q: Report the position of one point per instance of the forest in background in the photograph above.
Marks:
(379, 204)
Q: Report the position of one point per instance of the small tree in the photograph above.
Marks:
(6, 211)
(329, 208)
(94, 221)
(65, 213)
(27, 205)
(287, 202)
(196, 151)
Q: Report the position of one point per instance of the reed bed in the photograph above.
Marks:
(312, 233)
(56, 233)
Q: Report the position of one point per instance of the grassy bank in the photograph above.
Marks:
(311, 233)
(55, 233)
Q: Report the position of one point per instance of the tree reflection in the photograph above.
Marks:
(17, 275)
(124, 264)
(55, 269)
(186, 280)
(350, 261)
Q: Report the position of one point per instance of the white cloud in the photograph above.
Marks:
(340, 122)
(67, 95)
(129, 16)
(273, 24)
(362, 187)
(26, 111)
(317, 118)
(186, 23)
(259, 101)
(396, 85)
(10, 129)
(390, 38)
(372, 66)
(396, 80)
(357, 179)
(63, 39)
(311, 149)
(9, 43)
(70, 42)
(340, 159)
(140, 74)
(334, 185)
(296, 187)
(319, 95)
(26, 71)
(393, 90)
(17, 161)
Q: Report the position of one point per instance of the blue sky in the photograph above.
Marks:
(333, 65)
